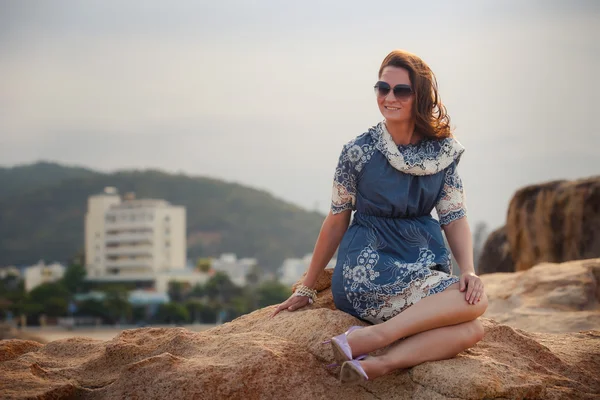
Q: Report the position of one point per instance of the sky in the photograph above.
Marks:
(265, 93)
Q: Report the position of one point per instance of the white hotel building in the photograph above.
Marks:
(138, 241)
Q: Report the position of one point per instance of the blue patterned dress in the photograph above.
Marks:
(393, 253)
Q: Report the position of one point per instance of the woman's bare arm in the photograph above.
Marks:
(459, 238)
(330, 237)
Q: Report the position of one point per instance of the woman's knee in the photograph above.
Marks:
(474, 332)
(482, 304)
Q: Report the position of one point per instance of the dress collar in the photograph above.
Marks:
(427, 157)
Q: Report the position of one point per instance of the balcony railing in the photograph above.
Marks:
(129, 237)
(136, 263)
(129, 250)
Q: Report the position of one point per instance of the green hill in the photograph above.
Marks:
(43, 218)
(22, 178)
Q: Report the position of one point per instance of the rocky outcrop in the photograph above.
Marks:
(554, 222)
(259, 357)
(495, 256)
(547, 298)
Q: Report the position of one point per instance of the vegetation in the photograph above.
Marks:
(218, 300)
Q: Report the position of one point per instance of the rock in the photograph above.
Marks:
(323, 280)
(495, 256)
(554, 222)
(258, 357)
(548, 297)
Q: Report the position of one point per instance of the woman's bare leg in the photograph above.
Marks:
(442, 309)
(433, 345)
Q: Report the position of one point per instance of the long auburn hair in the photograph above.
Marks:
(430, 115)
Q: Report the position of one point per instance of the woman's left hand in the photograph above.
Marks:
(473, 285)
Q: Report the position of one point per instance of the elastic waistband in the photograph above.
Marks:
(360, 215)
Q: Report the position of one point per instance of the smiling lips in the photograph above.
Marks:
(392, 108)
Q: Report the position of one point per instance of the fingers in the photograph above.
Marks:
(291, 304)
(463, 283)
(478, 298)
(281, 307)
(470, 289)
(475, 291)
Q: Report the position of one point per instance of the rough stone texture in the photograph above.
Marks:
(231, 362)
(495, 256)
(554, 222)
(259, 357)
(548, 297)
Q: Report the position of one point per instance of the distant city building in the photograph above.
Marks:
(40, 273)
(133, 237)
(134, 240)
(5, 272)
(292, 269)
(237, 269)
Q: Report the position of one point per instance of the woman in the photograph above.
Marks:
(393, 268)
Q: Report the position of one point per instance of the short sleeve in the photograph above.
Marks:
(344, 184)
(451, 205)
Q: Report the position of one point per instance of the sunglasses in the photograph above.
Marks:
(401, 92)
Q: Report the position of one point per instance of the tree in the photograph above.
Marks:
(92, 308)
(12, 295)
(117, 302)
(176, 291)
(272, 292)
(74, 278)
(48, 298)
(204, 265)
(198, 291)
(221, 289)
(172, 312)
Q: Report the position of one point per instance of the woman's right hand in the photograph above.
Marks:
(292, 304)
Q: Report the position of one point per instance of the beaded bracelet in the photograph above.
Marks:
(302, 290)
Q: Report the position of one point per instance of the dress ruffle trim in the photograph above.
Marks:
(427, 157)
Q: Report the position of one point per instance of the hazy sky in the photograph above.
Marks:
(265, 93)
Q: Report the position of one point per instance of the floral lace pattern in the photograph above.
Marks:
(355, 155)
(404, 284)
(451, 205)
(425, 158)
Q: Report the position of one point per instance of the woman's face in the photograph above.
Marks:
(392, 107)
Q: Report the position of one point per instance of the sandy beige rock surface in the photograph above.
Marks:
(258, 357)
(548, 297)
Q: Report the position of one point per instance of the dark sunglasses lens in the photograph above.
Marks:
(382, 89)
(402, 92)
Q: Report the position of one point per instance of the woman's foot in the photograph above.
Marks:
(363, 370)
(340, 346)
(352, 372)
